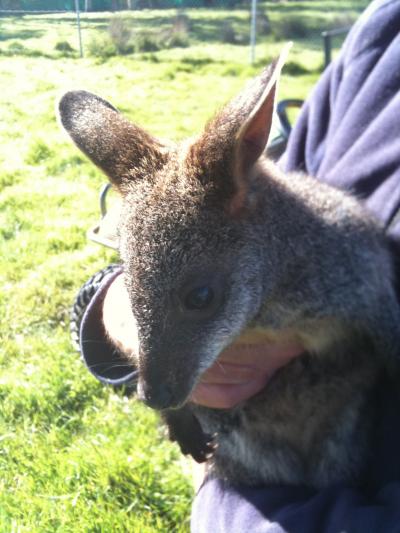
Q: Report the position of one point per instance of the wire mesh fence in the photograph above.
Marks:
(104, 28)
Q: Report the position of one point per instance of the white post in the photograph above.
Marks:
(78, 20)
(253, 30)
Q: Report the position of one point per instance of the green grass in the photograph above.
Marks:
(75, 456)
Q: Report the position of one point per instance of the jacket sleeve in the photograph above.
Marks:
(348, 132)
(347, 135)
(220, 508)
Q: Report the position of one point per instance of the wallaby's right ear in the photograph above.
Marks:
(122, 150)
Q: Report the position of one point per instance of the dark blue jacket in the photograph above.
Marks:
(348, 135)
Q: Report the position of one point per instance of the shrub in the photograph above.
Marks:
(101, 46)
(121, 34)
(64, 47)
(263, 24)
(16, 48)
(177, 40)
(295, 69)
(291, 28)
(147, 42)
(177, 36)
(228, 33)
(181, 23)
(197, 61)
(152, 58)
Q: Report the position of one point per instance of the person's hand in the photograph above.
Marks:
(118, 320)
(242, 370)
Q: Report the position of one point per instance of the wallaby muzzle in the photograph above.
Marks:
(158, 397)
(161, 395)
(163, 384)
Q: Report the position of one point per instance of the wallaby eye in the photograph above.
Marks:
(199, 298)
(201, 295)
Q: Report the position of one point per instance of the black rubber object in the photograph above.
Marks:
(82, 300)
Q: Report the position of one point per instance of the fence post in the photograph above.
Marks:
(78, 21)
(253, 31)
(327, 48)
(327, 39)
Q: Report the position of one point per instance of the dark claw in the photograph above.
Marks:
(185, 429)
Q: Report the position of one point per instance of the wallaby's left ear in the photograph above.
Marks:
(253, 135)
(236, 137)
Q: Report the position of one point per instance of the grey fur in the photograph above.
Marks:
(285, 255)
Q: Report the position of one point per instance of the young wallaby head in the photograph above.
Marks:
(193, 276)
(197, 266)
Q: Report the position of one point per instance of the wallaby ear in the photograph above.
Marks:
(122, 150)
(234, 140)
(253, 136)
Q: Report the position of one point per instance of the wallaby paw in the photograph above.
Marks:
(202, 449)
(185, 429)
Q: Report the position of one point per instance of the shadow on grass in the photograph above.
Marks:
(211, 30)
(202, 29)
(322, 6)
(205, 26)
(21, 34)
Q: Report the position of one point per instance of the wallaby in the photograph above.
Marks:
(217, 243)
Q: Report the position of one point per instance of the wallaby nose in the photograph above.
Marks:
(159, 397)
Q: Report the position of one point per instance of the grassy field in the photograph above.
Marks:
(75, 456)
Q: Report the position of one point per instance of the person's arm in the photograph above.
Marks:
(347, 134)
